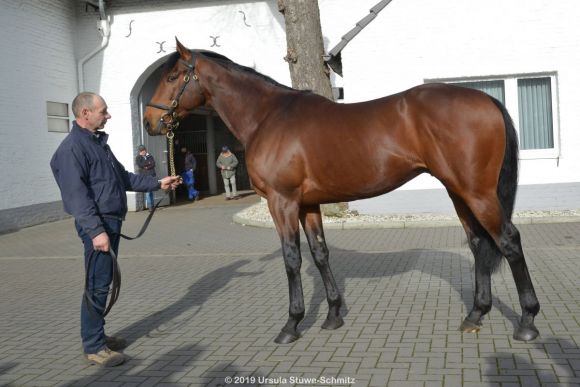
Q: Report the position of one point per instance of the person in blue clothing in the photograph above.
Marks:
(93, 186)
(188, 174)
(146, 164)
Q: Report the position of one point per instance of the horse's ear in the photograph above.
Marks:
(182, 50)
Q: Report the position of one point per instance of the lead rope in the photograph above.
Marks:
(116, 282)
(170, 136)
(115, 289)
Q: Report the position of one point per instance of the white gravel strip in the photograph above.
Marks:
(258, 215)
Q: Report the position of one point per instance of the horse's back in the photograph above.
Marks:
(328, 151)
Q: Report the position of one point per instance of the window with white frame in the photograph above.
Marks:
(57, 115)
(531, 102)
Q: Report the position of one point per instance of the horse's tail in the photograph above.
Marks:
(507, 185)
(508, 177)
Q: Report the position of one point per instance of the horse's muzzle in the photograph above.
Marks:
(151, 130)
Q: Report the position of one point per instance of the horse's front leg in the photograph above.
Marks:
(312, 223)
(285, 215)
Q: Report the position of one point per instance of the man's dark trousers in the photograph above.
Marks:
(100, 277)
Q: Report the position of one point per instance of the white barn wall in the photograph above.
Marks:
(409, 42)
(429, 45)
(126, 58)
(423, 40)
(37, 65)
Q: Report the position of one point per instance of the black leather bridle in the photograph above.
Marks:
(169, 119)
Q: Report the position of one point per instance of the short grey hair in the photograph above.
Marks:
(83, 100)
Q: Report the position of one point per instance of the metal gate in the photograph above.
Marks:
(196, 141)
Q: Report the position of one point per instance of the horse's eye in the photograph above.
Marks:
(172, 77)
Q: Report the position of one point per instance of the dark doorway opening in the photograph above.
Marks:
(200, 136)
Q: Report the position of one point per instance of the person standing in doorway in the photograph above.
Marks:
(227, 163)
(146, 165)
(93, 185)
(189, 165)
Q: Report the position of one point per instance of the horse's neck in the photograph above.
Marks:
(240, 101)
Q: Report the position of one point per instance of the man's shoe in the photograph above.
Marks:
(115, 343)
(105, 358)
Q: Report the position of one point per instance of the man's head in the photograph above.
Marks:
(90, 111)
(142, 150)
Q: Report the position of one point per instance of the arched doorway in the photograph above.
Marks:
(203, 132)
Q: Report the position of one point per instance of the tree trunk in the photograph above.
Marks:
(305, 50)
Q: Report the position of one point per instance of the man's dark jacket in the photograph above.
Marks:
(92, 181)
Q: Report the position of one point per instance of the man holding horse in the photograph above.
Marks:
(93, 183)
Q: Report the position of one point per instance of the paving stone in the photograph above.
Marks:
(203, 299)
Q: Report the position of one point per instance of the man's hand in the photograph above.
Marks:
(101, 242)
(170, 182)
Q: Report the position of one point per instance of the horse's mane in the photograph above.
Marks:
(225, 62)
(229, 64)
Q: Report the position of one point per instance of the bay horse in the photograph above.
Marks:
(303, 150)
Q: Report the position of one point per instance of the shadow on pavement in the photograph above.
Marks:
(6, 367)
(562, 367)
(562, 355)
(455, 269)
(450, 267)
(165, 368)
(226, 374)
(166, 320)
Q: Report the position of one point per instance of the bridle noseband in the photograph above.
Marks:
(169, 119)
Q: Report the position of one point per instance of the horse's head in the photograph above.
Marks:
(177, 93)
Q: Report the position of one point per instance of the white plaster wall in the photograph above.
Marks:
(114, 72)
(37, 65)
(410, 41)
(415, 40)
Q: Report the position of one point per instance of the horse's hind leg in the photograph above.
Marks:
(506, 236)
(312, 223)
(285, 216)
(487, 256)
(511, 246)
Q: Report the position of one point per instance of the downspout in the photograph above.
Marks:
(104, 29)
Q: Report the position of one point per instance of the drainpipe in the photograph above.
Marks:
(104, 29)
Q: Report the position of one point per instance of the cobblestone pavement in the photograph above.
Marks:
(203, 298)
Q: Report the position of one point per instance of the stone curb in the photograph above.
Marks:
(237, 218)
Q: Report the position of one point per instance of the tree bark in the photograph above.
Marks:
(305, 48)
(305, 51)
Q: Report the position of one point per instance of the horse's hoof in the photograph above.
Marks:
(469, 326)
(526, 333)
(286, 338)
(333, 323)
